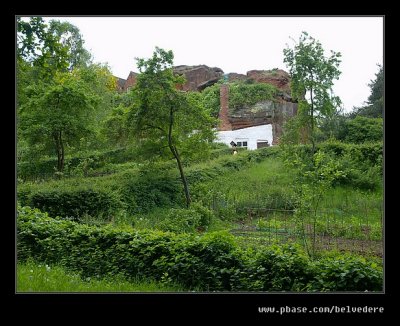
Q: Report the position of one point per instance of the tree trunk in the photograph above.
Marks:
(183, 178)
(57, 146)
(57, 136)
(312, 122)
(174, 152)
(62, 153)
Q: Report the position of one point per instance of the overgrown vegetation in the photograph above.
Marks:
(241, 95)
(212, 262)
(100, 177)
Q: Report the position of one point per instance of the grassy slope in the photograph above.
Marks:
(342, 207)
(33, 277)
(344, 212)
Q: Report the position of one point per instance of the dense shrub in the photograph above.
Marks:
(151, 188)
(345, 273)
(36, 169)
(74, 203)
(212, 262)
(362, 164)
(243, 94)
(367, 153)
(284, 268)
(81, 164)
(197, 217)
(363, 129)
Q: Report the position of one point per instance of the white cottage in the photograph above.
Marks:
(250, 138)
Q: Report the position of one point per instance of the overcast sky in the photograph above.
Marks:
(238, 44)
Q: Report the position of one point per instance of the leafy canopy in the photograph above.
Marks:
(312, 77)
(166, 119)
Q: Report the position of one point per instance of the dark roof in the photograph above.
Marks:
(121, 82)
(132, 74)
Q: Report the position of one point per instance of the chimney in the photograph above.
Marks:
(223, 112)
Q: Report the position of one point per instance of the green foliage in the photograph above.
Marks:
(284, 268)
(54, 47)
(36, 277)
(345, 273)
(212, 262)
(375, 106)
(166, 118)
(295, 131)
(247, 185)
(332, 127)
(57, 115)
(245, 95)
(361, 164)
(195, 218)
(140, 187)
(74, 203)
(241, 94)
(377, 87)
(149, 189)
(40, 47)
(312, 76)
(59, 90)
(69, 36)
(210, 98)
(115, 126)
(81, 164)
(363, 129)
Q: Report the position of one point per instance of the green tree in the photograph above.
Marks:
(57, 115)
(377, 87)
(164, 117)
(334, 126)
(57, 46)
(43, 50)
(312, 76)
(69, 36)
(375, 105)
(362, 129)
(115, 126)
(210, 98)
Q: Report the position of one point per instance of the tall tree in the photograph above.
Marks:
(70, 37)
(374, 107)
(41, 48)
(57, 46)
(312, 76)
(57, 115)
(166, 117)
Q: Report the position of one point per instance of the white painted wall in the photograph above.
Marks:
(251, 135)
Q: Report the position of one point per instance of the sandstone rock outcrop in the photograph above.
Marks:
(198, 77)
(277, 77)
(233, 76)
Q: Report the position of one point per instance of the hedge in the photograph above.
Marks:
(138, 192)
(73, 203)
(212, 262)
(44, 169)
